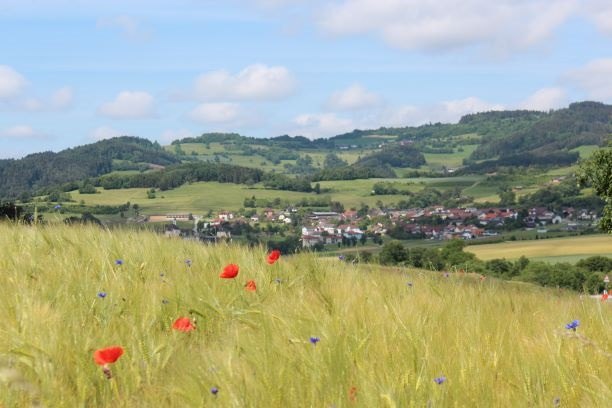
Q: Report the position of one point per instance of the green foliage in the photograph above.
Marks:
(177, 175)
(452, 256)
(585, 123)
(41, 171)
(395, 155)
(597, 172)
(332, 161)
(354, 172)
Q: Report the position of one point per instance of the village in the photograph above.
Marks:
(316, 229)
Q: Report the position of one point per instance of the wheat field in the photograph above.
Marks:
(316, 332)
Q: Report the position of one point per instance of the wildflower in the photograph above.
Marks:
(273, 256)
(604, 296)
(119, 262)
(573, 325)
(101, 295)
(214, 391)
(341, 257)
(314, 340)
(183, 324)
(106, 356)
(352, 394)
(250, 286)
(440, 380)
(229, 272)
(188, 262)
(57, 206)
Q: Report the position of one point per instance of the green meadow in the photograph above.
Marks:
(204, 196)
(568, 249)
(316, 333)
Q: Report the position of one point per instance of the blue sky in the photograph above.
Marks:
(73, 72)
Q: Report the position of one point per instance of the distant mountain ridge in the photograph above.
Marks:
(502, 138)
(41, 170)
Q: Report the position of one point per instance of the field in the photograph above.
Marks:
(316, 332)
(197, 198)
(552, 250)
(204, 196)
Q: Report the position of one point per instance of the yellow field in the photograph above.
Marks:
(546, 248)
(316, 332)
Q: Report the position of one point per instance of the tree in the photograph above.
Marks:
(392, 253)
(507, 198)
(597, 172)
(332, 161)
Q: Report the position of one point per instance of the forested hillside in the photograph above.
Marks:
(478, 143)
(39, 171)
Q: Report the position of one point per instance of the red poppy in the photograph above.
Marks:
(229, 272)
(107, 355)
(604, 297)
(183, 324)
(250, 286)
(353, 393)
(273, 256)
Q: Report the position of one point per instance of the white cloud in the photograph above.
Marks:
(600, 11)
(457, 108)
(104, 132)
(170, 135)
(11, 82)
(545, 99)
(62, 98)
(129, 27)
(442, 25)
(354, 97)
(315, 125)
(221, 112)
(595, 79)
(255, 82)
(21, 132)
(129, 105)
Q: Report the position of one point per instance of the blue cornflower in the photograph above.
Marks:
(440, 380)
(118, 261)
(314, 340)
(57, 206)
(341, 257)
(214, 390)
(188, 262)
(101, 295)
(573, 325)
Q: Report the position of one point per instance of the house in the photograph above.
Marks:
(324, 216)
(269, 213)
(172, 231)
(226, 215)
